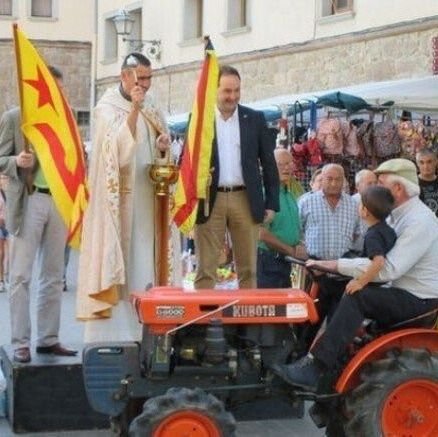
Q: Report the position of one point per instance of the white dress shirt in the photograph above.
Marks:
(228, 144)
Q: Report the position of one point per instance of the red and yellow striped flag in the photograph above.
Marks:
(194, 173)
(49, 126)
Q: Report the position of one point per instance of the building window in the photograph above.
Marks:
(237, 14)
(193, 14)
(6, 7)
(83, 121)
(333, 7)
(83, 118)
(41, 8)
(110, 48)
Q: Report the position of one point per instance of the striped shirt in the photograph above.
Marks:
(328, 232)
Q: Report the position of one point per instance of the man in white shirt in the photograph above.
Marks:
(411, 266)
(244, 190)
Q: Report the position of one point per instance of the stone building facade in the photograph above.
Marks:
(72, 58)
(62, 32)
(400, 50)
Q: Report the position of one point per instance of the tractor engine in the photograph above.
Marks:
(203, 346)
(221, 342)
(239, 350)
(235, 335)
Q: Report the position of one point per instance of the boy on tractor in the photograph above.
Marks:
(411, 266)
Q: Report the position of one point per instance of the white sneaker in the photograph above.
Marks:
(2, 287)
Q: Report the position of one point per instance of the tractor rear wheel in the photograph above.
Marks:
(398, 396)
(183, 412)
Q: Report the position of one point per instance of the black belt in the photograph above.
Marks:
(231, 189)
(42, 190)
(272, 254)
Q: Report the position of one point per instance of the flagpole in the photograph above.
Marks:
(19, 77)
(27, 172)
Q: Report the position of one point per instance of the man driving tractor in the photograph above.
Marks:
(411, 266)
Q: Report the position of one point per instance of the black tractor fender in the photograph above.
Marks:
(109, 369)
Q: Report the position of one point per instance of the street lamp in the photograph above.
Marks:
(123, 23)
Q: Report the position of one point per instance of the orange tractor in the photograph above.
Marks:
(198, 363)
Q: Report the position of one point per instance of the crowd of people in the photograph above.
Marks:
(387, 232)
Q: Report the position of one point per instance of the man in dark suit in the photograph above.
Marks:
(244, 189)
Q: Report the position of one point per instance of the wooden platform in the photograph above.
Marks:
(47, 394)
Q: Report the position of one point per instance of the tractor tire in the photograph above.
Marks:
(398, 396)
(183, 411)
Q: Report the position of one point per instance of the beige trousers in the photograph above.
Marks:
(231, 212)
(43, 234)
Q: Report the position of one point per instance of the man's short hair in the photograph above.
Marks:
(228, 70)
(360, 174)
(425, 152)
(139, 59)
(56, 73)
(330, 166)
(379, 201)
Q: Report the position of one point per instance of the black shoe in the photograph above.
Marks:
(22, 355)
(304, 373)
(56, 349)
(64, 286)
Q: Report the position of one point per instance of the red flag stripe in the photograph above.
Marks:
(48, 124)
(195, 162)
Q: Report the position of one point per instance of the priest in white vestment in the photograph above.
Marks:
(117, 252)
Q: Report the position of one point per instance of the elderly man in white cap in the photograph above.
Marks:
(411, 266)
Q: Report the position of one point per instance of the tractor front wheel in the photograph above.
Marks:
(398, 396)
(183, 412)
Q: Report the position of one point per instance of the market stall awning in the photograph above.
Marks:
(342, 100)
(177, 123)
(418, 94)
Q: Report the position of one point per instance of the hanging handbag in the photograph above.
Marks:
(352, 146)
(329, 134)
(299, 130)
(365, 137)
(386, 139)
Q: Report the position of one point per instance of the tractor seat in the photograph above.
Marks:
(426, 320)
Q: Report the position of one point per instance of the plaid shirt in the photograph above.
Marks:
(329, 232)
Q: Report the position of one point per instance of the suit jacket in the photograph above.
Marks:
(259, 169)
(11, 144)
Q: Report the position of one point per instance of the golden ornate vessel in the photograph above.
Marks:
(163, 174)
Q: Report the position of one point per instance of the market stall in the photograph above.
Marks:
(357, 126)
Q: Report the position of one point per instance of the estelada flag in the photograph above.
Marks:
(50, 128)
(194, 174)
